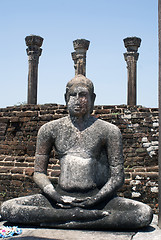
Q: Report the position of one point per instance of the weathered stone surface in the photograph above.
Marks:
(79, 56)
(131, 56)
(91, 162)
(33, 43)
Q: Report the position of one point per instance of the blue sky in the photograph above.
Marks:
(105, 23)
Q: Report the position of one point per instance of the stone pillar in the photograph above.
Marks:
(131, 56)
(33, 43)
(159, 79)
(79, 56)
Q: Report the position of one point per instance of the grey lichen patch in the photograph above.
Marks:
(151, 184)
(154, 189)
(126, 116)
(155, 124)
(151, 147)
(139, 177)
(136, 194)
(135, 182)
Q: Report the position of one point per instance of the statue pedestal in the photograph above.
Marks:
(151, 232)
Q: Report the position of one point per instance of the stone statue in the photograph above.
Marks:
(91, 161)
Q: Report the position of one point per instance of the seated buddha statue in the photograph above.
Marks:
(92, 170)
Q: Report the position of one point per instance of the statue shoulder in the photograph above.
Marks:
(52, 126)
(108, 128)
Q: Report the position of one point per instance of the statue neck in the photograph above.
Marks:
(81, 122)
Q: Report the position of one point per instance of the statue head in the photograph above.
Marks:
(80, 95)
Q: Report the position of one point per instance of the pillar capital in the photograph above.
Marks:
(132, 43)
(81, 44)
(79, 55)
(34, 43)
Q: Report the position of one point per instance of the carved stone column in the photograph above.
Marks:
(131, 56)
(79, 56)
(33, 43)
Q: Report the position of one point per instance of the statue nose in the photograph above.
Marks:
(77, 96)
(77, 101)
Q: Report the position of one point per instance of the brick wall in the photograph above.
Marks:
(18, 131)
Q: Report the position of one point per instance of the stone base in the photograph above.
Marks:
(28, 233)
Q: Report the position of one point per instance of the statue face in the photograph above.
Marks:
(79, 101)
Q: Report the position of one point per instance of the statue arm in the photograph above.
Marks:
(43, 149)
(116, 164)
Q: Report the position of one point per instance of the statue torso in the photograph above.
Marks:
(82, 154)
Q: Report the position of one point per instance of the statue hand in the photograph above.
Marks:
(65, 201)
(52, 193)
(56, 196)
(86, 202)
(68, 202)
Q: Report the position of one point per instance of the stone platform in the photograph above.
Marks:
(153, 232)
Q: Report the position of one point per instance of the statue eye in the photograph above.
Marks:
(83, 94)
(73, 94)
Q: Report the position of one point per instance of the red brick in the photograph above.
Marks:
(151, 175)
(14, 119)
(29, 159)
(21, 164)
(19, 177)
(6, 164)
(31, 164)
(4, 170)
(9, 159)
(152, 169)
(17, 170)
(55, 173)
(4, 119)
(16, 183)
(20, 159)
(29, 171)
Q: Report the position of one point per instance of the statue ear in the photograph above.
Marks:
(65, 96)
(93, 97)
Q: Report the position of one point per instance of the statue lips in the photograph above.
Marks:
(77, 108)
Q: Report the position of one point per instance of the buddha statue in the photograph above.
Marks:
(92, 170)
